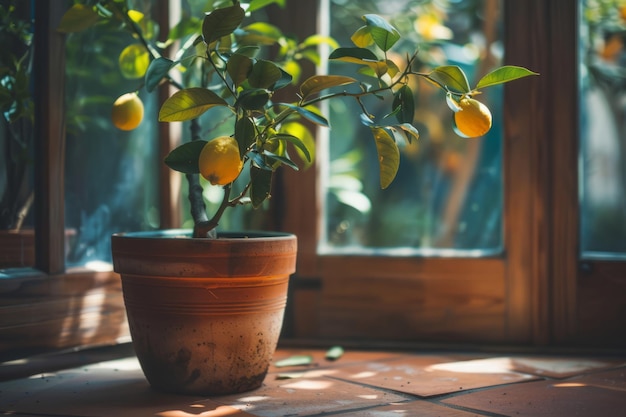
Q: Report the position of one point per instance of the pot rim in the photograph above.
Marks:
(221, 236)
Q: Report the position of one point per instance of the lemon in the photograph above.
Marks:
(127, 111)
(473, 118)
(219, 160)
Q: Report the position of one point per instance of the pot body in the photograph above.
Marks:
(204, 314)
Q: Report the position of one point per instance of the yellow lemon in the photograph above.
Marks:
(127, 112)
(473, 119)
(219, 160)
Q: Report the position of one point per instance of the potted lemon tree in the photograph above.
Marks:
(205, 308)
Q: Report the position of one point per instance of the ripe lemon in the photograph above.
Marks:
(219, 160)
(473, 119)
(127, 112)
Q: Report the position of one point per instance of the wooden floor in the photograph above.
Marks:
(109, 382)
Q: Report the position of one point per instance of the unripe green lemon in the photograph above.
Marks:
(219, 160)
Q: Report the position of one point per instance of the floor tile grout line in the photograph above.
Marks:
(471, 410)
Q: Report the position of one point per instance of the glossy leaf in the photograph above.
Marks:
(362, 37)
(185, 157)
(264, 74)
(245, 134)
(410, 132)
(221, 22)
(354, 55)
(404, 103)
(306, 146)
(388, 155)
(308, 114)
(451, 77)
(318, 83)
(297, 142)
(284, 80)
(157, 70)
(283, 159)
(250, 51)
(78, 18)
(261, 185)
(504, 74)
(188, 104)
(238, 68)
(254, 99)
(383, 33)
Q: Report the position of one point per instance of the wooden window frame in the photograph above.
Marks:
(533, 295)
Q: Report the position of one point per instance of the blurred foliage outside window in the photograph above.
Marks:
(603, 128)
(111, 176)
(16, 120)
(447, 196)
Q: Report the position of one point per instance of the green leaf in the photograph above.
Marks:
(284, 80)
(307, 114)
(245, 134)
(157, 70)
(318, 83)
(388, 155)
(221, 22)
(78, 18)
(188, 104)
(295, 360)
(262, 33)
(257, 4)
(354, 55)
(250, 51)
(254, 99)
(297, 142)
(362, 37)
(317, 39)
(264, 74)
(238, 68)
(306, 146)
(261, 184)
(184, 158)
(409, 131)
(504, 74)
(334, 353)
(451, 77)
(403, 101)
(280, 158)
(383, 33)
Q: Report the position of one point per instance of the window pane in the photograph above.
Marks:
(447, 196)
(603, 128)
(111, 175)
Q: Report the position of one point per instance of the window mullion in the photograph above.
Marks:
(49, 140)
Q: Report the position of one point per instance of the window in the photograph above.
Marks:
(447, 196)
(534, 289)
(603, 149)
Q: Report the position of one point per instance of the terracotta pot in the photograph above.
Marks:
(204, 314)
(17, 248)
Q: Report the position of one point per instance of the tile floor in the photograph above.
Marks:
(358, 383)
